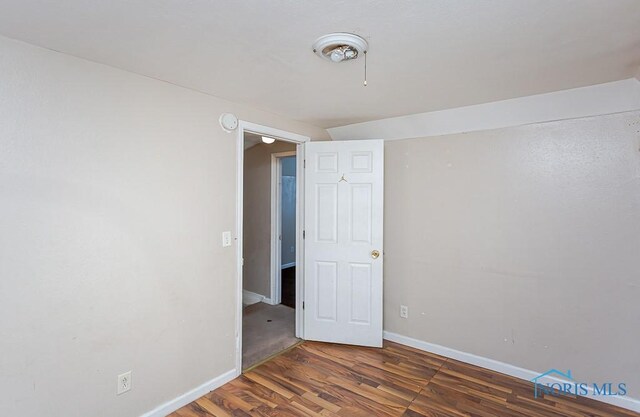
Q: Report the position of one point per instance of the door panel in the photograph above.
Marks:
(361, 280)
(343, 226)
(327, 291)
(327, 213)
(360, 210)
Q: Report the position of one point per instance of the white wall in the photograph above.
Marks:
(114, 191)
(520, 244)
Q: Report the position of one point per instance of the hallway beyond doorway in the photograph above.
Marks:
(288, 297)
(267, 329)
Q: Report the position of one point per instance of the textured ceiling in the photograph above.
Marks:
(424, 55)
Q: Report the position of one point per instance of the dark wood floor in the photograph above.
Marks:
(288, 294)
(325, 380)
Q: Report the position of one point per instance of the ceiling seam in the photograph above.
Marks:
(167, 82)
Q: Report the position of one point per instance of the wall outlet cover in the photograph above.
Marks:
(124, 383)
(226, 239)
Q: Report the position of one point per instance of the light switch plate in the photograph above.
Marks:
(226, 239)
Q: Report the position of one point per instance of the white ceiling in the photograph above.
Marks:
(424, 55)
(251, 139)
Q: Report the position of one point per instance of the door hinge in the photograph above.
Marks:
(304, 163)
(303, 305)
(304, 234)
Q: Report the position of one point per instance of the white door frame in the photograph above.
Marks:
(276, 224)
(299, 140)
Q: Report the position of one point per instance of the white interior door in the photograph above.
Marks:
(343, 241)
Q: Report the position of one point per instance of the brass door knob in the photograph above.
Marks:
(375, 254)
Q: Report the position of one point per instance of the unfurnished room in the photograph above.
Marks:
(395, 208)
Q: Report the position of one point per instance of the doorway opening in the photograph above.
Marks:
(270, 248)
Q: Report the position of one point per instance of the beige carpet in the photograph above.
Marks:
(266, 330)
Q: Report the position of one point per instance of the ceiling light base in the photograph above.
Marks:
(339, 47)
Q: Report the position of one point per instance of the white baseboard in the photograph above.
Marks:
(249, 297)
(504, 368)
(268, 301)
(188, 397)
(289, 265)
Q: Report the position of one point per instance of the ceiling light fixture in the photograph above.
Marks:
(340, 47)
(268, 140)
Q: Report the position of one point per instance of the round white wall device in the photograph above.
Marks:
(229, 122)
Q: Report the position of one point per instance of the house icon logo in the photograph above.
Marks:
(550, 372)
(555, 383)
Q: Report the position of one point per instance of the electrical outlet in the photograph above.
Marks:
(404, 312)
(226, 239)
(293, 249)
(124, 383)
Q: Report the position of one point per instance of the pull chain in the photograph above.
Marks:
(365, 68)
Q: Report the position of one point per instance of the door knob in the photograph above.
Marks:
(375, 254)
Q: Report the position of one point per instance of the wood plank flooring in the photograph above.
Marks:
(326, 380)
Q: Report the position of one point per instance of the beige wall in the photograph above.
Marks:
(257, 215)
(114, 191)
(520, 244)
